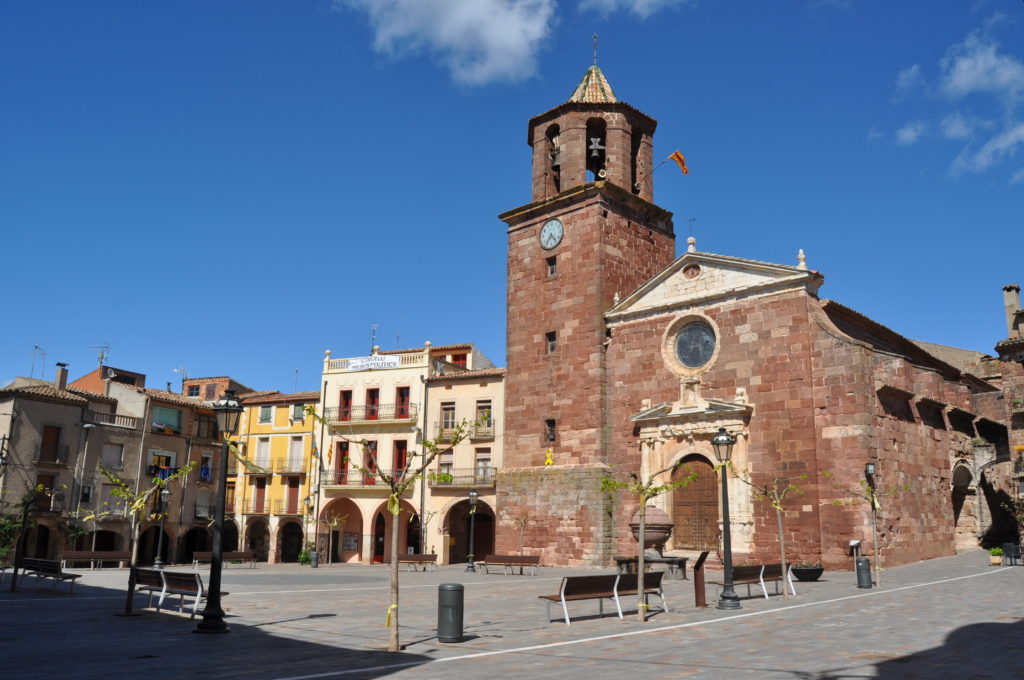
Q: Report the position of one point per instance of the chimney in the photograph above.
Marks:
(1011, 302)
(60, 381)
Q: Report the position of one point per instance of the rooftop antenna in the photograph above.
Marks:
(36, 349)
(691, 221)
(104, 352)
(184, 376)
(398, 341)
(296, 380)
(373, 336)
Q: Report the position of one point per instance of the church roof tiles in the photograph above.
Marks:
(593, 88)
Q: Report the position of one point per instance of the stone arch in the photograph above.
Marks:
(695, 509)
(382, 531)
(289, 541)
(197, 538)
(229, 541)
(964, 494)
(257, 538)
(150, 541)
(457, 523)
(344, 542)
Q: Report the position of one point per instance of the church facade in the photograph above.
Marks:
(624, 359)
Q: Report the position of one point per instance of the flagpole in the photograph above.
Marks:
(636, 186)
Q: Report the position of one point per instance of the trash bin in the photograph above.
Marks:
(863, 572)
(314, 559)
(449, 612)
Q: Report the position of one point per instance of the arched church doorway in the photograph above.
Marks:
(695, 506)
(458, 523)
(965, 509)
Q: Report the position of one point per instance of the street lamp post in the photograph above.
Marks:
(869, 473)
(228, 410)
(723, 444)
(165, 496)
(473, 497)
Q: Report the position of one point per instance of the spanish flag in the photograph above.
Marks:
(681, 161)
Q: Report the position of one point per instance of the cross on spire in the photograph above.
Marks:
(595, 49)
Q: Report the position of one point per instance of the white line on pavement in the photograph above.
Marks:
(612, 636)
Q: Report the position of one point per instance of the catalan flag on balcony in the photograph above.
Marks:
(680, 160)
(313, 450)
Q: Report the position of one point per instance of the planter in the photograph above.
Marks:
(995, 560)
(657, 528)
(808, 573)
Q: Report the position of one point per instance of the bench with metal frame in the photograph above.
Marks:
(759, 574)
(605, 587)
(47, 569)
(413, 561)
(94, 557)
(165, 583)
(511, 561)
(239, 556)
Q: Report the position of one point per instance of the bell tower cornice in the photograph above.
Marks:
(650, 214)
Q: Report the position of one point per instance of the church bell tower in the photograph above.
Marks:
(590, 236)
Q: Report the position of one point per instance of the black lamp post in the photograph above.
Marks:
(723, 444)
(228, 410)
(473, 497)
(869, 473)
(165, 496)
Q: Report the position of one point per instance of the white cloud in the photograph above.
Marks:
(642, 8)
(910, 133)
(909, 78)
(975, 65)
(955, 126)
(1018, 177)
(1001, 146)
(478, 40)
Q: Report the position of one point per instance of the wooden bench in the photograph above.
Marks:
(759, 574)
(235, 556)
(94, 557)
(166, 583)
(604, 587)
(413, 561)
(47, 569)
(676, 565)
(507, 561)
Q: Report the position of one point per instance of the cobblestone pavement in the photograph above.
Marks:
(952, 617)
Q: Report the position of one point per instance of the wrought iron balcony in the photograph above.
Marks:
(289, 465)
(461, 478)
(283, 507)
(50, 501)
(260, 466)
(482, 430)
(355, 479)
(370, 415)
(113, 419)
(256, 507)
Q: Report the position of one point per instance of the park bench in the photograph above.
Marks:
(413, 561)
(164, 583)
(94, 557)
(759, 574)
(47, 569)
(676, 565)
(604, 587)
(234, 556)
(507, 561)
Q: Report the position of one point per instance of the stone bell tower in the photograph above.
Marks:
(590, 236)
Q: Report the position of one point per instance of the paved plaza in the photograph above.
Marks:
(952, 617)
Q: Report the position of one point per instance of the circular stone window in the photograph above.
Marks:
(690, 344)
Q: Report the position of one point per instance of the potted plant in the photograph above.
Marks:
(995, 557)
(808, 571)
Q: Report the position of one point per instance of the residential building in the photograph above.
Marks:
(376, 409)
(269, 493)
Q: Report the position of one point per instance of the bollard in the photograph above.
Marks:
(863, 572)
(449, 612)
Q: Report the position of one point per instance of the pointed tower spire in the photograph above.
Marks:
(593, 89)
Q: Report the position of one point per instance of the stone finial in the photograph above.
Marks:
(645, 403)
(801, 260)
(327, 352)
(691, 245)
(376, 348)
(427, 344)
(741, 395)
(615, 300)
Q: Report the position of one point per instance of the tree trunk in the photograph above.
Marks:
(134, 533)
(782, 552)
(522, 538)
(641, 605)
(394, 645)
(874, 541)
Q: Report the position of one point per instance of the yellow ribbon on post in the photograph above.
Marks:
(387, 619)
(393, 507)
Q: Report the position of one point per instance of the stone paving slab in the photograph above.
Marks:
(947, 618)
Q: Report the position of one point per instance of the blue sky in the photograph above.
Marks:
(234, 186)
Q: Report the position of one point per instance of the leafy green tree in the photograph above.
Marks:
(643, 491)
(774, 490)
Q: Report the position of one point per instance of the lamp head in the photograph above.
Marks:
(869, 469)
(723, 443)
(228, 409)
(473, 496)
(165, 494)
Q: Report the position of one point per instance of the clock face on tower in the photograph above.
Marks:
(551, 234)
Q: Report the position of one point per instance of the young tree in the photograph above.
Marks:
(774, 490)
(870, 493)
(135, 506)
(520, 522)
(645, 490)
(398, 482)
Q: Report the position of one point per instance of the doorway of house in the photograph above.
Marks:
(379, 534)
(291, 542)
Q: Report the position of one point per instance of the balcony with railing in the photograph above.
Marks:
(355, 479)
(461, 478)
(371, 415)
(406, 360)
(287, 507)
(259, 466)
(112, 419)
(53, 455)
(284, 466)
(253, 506)
(49, 501)
(482, 430)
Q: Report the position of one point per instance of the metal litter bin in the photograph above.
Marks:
(863, 572)
(449, 612)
